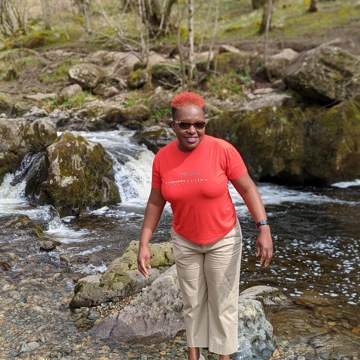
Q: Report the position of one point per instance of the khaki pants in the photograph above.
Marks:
(209, 278)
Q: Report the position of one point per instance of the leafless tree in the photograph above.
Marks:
(313, 6)
(191, 38)
(266, 18)
(257, 4)
(267, 15)
(84, 10)
(47, 12)
(156, 16)
(12, 17)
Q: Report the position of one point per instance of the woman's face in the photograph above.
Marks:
(189, 137)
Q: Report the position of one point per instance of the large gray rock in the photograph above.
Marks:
(277, 63)
(326, 74)
(132, 117)
(19, 137)
(226, 62)
(256, 338)
(155, 136)
(88, 76)
(77, 174)
(122, 278)
(155, 315)
(69, 92)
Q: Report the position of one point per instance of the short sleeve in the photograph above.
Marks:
(155, 176)
(236, 167)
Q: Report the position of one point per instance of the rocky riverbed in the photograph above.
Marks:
(37, 323)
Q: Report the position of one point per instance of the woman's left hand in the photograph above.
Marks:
(264, 245)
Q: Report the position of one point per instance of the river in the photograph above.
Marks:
(316, 231)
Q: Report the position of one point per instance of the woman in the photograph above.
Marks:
(192, 174)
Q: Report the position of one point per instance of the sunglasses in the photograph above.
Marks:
(184, 125)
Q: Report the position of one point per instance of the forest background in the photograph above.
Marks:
(168, 27)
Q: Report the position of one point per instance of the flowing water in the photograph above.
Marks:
(316, 231)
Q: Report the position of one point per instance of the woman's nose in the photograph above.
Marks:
(192, 128)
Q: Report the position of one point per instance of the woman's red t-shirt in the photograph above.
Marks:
(195, 184)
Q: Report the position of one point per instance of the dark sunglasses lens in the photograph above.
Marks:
(200, 124)
(186, 125)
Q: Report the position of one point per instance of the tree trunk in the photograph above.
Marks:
(257, 4)
(12, 17)
(269, 4)
(84, 10)
(46, 10)
(266, 19)
(313, 6)
(191, 38)
(157, 15)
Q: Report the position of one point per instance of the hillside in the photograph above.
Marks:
(30, 64)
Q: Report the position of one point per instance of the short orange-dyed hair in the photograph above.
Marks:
(186, 98)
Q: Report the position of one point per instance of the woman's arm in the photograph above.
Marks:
(153, 211)
(250, 194)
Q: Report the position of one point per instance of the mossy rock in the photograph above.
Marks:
(231, 62)
(270, 140)
(78, 176)
(333, 142)
(138, 79)
(122, 277)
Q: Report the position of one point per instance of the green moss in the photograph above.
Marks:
(14, 64)
(82, 174)
(161, 114)
(74, 102)
(59, 73)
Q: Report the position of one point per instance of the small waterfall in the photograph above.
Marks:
(29, 162)
(132, 164)
(12, 197)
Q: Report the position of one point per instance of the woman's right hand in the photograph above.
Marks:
(143, 260)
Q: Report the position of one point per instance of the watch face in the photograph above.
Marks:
(261, 222)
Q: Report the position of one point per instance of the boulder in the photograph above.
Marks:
(19, 137)
(122, 277)
(153, 316)
(88, 76)
(76, 175)
(225, 62)
(132, 117)
(155, 136)
(35, 113)
(156, 314)
(116, 63)
(326, 74)
(332, 143)
(269, 138)
(106, 91)
(137, 79)
(19, 226)
(277, 63)
(69, 92)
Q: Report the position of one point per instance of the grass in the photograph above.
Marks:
(59, 73)
(237, 22)
(14, 63)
